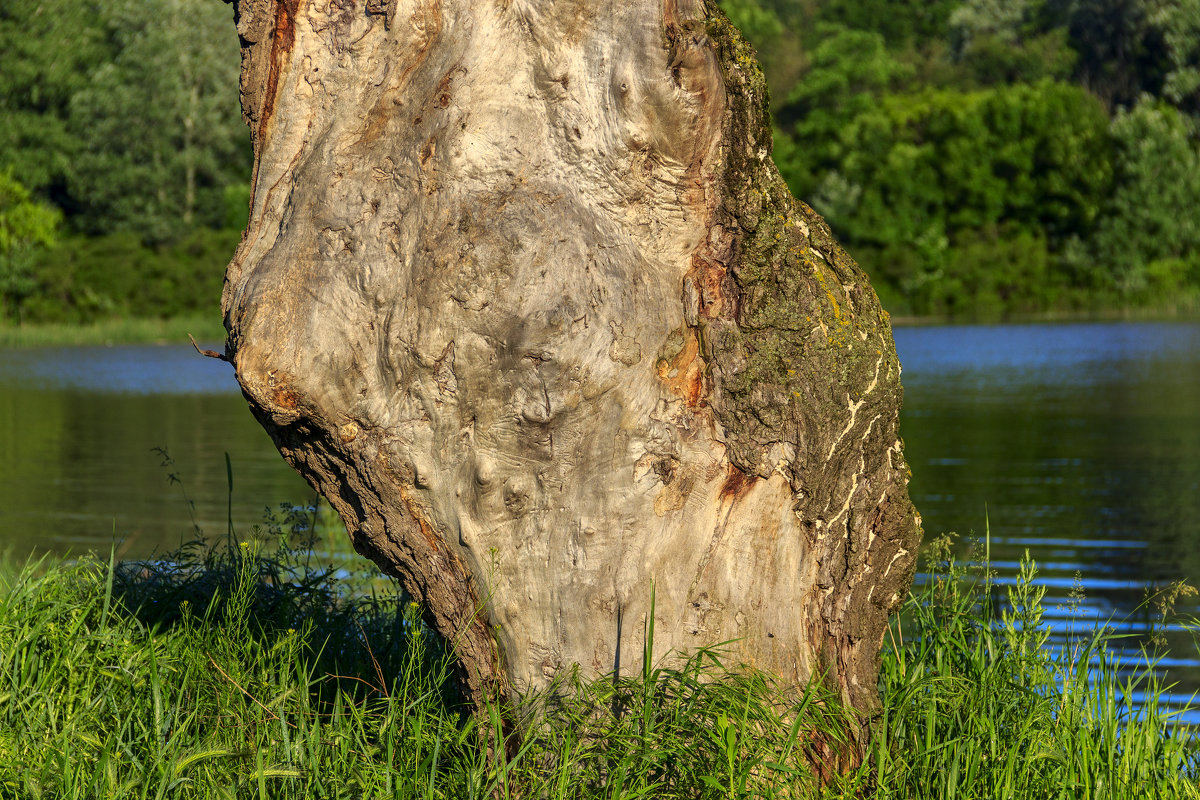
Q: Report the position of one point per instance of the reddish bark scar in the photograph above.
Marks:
(683, 374)
(282, 42)
(414, 511)
(737, 485)
(283, 397)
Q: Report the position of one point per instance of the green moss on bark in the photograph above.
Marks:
(808, 327)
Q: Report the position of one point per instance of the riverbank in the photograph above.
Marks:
(228, 672)
(208, 328)
(1181, 312)
(121, 330)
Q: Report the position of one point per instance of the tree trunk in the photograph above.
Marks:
(523, 294)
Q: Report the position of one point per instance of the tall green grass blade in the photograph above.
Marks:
(229, 496)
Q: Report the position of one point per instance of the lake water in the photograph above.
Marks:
(1078, 443)
(78, 431)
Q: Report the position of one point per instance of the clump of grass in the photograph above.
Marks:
(106, 691)
(244, 671)
(695, 729)
(976, 704)
(224, 671)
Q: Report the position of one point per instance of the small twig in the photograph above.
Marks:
(363, 681)
(378, 670)
(892, 636)
(209, 353)
(239, 686)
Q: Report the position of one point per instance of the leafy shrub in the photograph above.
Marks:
(92, 278)
(27, 227)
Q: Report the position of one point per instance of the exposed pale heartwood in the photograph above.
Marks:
(523, 294)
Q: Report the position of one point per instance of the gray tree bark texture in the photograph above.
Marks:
(523, 294)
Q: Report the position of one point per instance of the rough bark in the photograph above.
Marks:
(523, 294)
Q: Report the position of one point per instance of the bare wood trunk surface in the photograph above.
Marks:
(523, 294)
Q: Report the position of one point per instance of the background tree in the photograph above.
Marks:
(904, 24)
(1001, 133)
(164, 140)
(1121, 51)
(123, 115)
(1004, 42)
(926, 172)
(48, 48)
(1179, 23)
(1157, 176)
(848, 72)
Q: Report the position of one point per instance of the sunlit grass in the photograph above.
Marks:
(257, 670)
(977, 703)
(205, 327)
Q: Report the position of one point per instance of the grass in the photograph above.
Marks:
(118, 330)
(976, 704)
(255, 670)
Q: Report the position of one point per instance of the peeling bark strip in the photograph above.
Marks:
(524, 296)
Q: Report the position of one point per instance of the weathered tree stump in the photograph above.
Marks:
(523, 294)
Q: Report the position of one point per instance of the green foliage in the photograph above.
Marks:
(24, 222)
(1120, 46)
(983, 274)
(160, 119)
(26, 226)
(48, 48)
(1000, 42)
(1147, 242)
(902, 23)
(956, 197)
(1179, 24)
(90, 279)
(849, 71)
(124, 115)
(977, 158)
